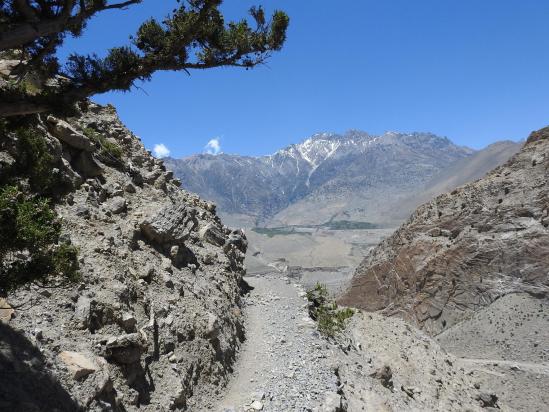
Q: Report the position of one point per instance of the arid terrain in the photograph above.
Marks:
(176, 311)
(224, 206)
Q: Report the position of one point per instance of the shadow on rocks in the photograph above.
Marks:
(25, 384)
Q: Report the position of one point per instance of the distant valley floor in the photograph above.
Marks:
(311, 254)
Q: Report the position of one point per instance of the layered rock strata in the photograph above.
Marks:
(465, 249)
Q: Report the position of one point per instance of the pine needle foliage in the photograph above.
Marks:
(194, 36)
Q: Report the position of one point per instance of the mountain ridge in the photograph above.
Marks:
(324, 164)
(327, 136)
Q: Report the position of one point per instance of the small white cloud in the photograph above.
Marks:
(160, 150)
(213, 147)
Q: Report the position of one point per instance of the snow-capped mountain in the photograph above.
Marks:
(324, 170)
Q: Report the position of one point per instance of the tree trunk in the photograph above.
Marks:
(21, 109)
(26, 33)
(25, 104)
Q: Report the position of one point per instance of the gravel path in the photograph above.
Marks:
(284, 365)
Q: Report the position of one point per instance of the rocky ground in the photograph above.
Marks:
(284, 364)
(391, 366)
(506, 344)
(378, 363)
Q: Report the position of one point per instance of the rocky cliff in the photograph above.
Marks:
(154, 321)
(465, 249)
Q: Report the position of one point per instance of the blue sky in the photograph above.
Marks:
(474, 71)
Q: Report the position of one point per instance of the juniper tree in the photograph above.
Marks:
(194, 36)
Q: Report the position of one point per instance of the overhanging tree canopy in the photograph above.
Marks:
(194, 36)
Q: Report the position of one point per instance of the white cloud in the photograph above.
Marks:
(160, 150)
(213, 147)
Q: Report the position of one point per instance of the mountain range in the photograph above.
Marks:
(328, 177)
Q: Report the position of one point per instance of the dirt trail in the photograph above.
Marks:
(540, 368)
(284, 365)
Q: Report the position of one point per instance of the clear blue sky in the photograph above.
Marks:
(475, 71)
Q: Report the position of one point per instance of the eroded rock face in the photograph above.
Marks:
(154, 322)
(464, 249)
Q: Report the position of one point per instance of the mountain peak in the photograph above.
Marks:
(353, 163)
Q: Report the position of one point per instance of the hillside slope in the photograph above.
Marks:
(154, 322)
(461, 172)
(470, 269)
(465, 249)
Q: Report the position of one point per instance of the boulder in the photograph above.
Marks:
(172, 225)
(86, 165)
(488, 400)
(212, 234)
(78, 364)
(257, 406)
(6, 162)
(212, 327)
(6, 66)
(117, 205)
(238, 239)
(128, 322)
(210, 207)
(6, 311)
(181, 256)
(82, 311)
(130, 188)
(151, 177)
(126, 349)
(68, 135)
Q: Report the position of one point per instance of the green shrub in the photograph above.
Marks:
(65, 261)
(36, 161)
(108, 151)
(23, 86)
(330, 319)
(29, 242)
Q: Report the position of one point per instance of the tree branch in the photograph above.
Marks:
(24, 67)
(121, 5)
(25, 33)
(26, 10)
(198, 31)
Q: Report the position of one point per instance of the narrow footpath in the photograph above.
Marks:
(284, 364)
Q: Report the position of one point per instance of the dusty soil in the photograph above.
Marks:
(284, 365)
(382, 363)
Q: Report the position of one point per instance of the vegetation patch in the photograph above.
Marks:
(36, 161)
(279, 231)
(306, 230)
(348, 225)
(30, 247)
(329, 317)
(108, 151)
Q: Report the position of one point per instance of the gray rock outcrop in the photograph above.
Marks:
(154, 322)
